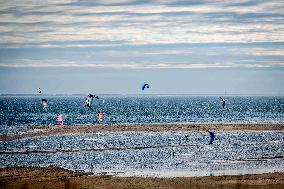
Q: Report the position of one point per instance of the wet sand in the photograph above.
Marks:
(52, 177)
(89, 129)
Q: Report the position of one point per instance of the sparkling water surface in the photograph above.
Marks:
(155, 154)
(18, 113)
(179, 154)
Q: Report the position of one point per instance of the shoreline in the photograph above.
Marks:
(157, 127)
(55, 177)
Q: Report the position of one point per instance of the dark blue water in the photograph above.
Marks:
(18, 113)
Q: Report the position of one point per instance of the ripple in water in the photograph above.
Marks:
(16, 113)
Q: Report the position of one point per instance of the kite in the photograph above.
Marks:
(212, 137)
(145, 86)
(89, 100)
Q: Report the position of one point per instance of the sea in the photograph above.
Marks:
(145, 154)
(18, 113)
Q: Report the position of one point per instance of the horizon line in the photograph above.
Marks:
(146, 94)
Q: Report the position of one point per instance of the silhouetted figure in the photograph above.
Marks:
(223, 102)
(92, 167)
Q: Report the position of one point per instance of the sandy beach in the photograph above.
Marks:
(83, 129)
(52, 177)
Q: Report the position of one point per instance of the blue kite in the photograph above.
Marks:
(146, 85)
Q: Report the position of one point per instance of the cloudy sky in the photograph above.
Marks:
(114, 46)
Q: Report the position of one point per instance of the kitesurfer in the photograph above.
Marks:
(59, 120)
(44, 103)
(223, 102)
(100, 116)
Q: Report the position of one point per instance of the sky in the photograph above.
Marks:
(114, 46)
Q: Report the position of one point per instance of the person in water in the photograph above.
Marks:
(100, 116)
(59, 120)
(92, 167)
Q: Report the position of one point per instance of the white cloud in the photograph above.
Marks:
(20, 63)
(35, 22)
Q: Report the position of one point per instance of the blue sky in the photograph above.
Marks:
(179, 47)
